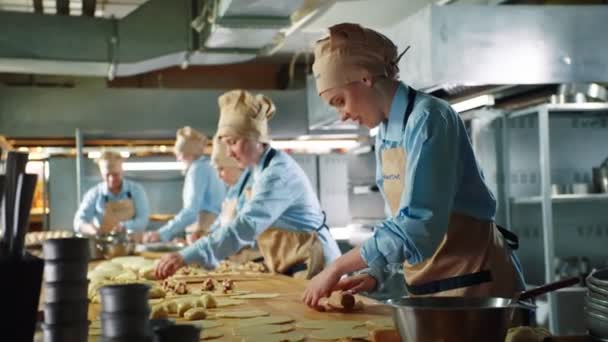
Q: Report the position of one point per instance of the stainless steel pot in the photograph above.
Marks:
(111, 245)
(454, 319)
(466, 319)
(600, 177)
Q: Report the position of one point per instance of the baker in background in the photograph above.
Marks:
(114, 205)
(202, 194)
(283, 216)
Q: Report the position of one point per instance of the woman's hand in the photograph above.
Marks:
(168, 265)
(357, 283)
(151, 237)
(321, 286)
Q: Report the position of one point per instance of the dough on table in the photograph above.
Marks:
(241, 314)
(230, 293)
(293, 336)
(223, 302)
(155, 301)
(384, 322)
(94, 332)
(256, 296)
(195, 313)
(211, 334)
(159, 311)
(183, 307)
(206, 324)
(208, 301)
(156, 292)
(264, 329)
(319, 324)
(527, 334)
(264, 320)
(171, 307)
(148, 273)
(336, 333)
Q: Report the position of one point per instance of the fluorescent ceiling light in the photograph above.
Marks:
(314, 145)
(374, 131)
(475, 102)
(152, 166)
(94, 155)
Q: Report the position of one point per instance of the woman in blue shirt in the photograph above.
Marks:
(203, 191)
(283, 216)
(440, 213)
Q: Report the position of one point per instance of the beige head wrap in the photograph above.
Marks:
(219, 155)
(190, 141)
(351, 52)
(244, 115)
(110, 162)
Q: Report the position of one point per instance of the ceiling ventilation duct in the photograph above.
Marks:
(158, 34)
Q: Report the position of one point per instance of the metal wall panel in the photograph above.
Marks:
(333, 188)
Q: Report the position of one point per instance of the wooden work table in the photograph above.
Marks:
(288, 304)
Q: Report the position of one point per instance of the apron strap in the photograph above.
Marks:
(511, 238)
(450, 283)
(244, 182)
(324, 223)
(269, 157)
(411, 98)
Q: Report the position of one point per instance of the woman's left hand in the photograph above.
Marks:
(321, 286)
(168, 265)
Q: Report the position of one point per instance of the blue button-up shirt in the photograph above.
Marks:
(244, 182)
(282, 197)
(442, 177)
(92, 207)
(203, 191)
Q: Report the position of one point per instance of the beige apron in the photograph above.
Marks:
(116, 212)
(472, 259)
(202, 224)
(227, 215)
(286, 251)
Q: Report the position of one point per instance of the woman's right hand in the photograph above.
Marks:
(151, 237)
(357, 283)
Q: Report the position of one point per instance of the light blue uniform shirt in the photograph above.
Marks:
(243, 183)
(282, 197)
(442, 177)
(93, 205)
(203, 191)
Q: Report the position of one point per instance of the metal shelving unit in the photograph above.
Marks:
(570, 198)
(546, 199)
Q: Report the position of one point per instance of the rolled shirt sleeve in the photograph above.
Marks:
(86, 210)
(203, 191)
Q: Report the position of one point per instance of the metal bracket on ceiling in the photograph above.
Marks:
(113, 50)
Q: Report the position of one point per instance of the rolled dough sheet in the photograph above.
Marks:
(264, 320)
(337, 333)
(293, 336)
(257, 296)
(319, 324)
(262, 330)
(241, 314)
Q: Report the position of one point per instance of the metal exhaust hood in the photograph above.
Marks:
(480, 45)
